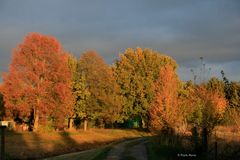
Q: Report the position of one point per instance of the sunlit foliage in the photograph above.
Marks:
(38, 81)
(209, 107)
(100, 82)
(165, 111)
(136, 71)
(45, 82)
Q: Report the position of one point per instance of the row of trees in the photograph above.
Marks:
(46, 83)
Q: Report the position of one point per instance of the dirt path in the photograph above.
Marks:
(138, 151)
(132, 150)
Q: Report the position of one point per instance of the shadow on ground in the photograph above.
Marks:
(30, 145)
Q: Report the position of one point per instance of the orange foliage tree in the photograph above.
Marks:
(165, 112)
(208, 108)
(38, 83)
(211, 105)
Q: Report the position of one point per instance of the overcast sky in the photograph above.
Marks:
(183, 29)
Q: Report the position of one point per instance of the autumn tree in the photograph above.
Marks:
(38, 82)
(79, 91)
(209, 109)
(165, 112)
(215, 85)
(81, 94)
(102, 86)
(232, 94)
(136, 72)
(186, 101)
(227, 89)
(234, 98)
(233, 111)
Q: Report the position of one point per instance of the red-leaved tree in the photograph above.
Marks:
(38, 83)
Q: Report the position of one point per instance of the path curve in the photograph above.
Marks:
(134, 149)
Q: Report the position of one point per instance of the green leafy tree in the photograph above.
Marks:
(215, 85)
(101, 84)
(135, 72)
(80, 92)
(185, 102)
(232, 94)
(234, 98)
(82, 95)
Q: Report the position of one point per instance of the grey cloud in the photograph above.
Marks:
(183, 29)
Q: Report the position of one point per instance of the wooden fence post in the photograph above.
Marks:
(216, 150)
(3, 125)
(2, 155)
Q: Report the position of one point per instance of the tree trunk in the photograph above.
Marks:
(70, 123)
(85, 124)
(36, 120)
(143, 124)
(13, 124)
(36, 115)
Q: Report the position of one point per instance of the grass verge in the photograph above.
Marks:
(42, 145)
(165, 147)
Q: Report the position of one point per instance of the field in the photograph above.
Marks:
(98, 143)
(29, 145)
(224, 144)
